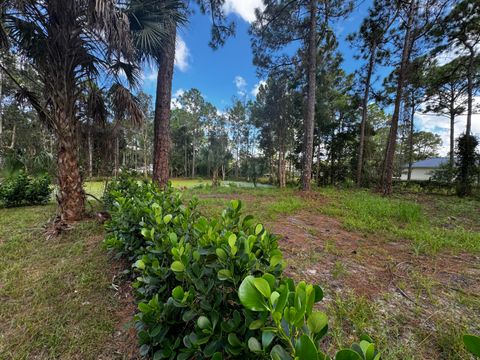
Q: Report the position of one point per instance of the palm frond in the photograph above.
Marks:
(125, 105)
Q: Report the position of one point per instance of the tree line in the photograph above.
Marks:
(70, 75)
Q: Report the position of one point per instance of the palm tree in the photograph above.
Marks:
(68, 43)
(154, 27)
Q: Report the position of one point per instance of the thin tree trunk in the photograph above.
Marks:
(90, 151)
(14, 136)
(145, 152)
(387, 174)
(452, 133)
(1, 113)
(116, 155)
(162, 110)
(319, 154)
(410, 141)
(361, 147)
(311, 90)
(281, 167)
(193, 159)
(471, 68)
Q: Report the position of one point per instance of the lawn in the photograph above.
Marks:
(406, 270)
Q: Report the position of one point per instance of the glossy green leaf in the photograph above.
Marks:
(262, 286)
(347, 354)
(258, 229)
(254, 345)
(224, 274)
(177, 266)
(250, 297)
(204, 323)
(178, 293)
(279, 353)
(317, 321)
(167, 218)
(139, 264)
(305, 349)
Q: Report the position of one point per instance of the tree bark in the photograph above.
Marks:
(311, 90)
(410, 139)
(1, 113)
(71, 199)
(90, 150)
(452, 132)
(471, 69)
(161, 146)
(281, 168)
(116, 155)
(361, 147)
(387, 174)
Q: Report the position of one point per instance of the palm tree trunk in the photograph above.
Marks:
(387, 174)
(311, 89)
(361, 147)
(161, 146)
(72, 197)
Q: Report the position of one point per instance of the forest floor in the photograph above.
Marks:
(405, 270)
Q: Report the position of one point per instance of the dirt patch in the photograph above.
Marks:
(124, 342)
(319, 250)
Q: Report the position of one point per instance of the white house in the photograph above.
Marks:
(423, 170)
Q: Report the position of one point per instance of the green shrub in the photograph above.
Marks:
(20, 190)
(291, 329)
(189, 270)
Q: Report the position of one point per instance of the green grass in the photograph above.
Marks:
(423, 224)
(56, 300)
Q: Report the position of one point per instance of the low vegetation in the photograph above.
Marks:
(193, 274)
(20, 189)
(421, 310)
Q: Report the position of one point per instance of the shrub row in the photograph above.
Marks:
(212, 288)
(21, 189)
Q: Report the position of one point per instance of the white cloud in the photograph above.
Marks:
(240, 84)
(175, 104)
(441, 125)
(182, 54)
(452, 53)
(243, 8)
(256, 88)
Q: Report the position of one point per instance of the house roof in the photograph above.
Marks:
(432, 163)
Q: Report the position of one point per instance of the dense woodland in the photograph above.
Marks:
(70, 101)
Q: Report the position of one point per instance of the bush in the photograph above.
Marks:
(189, 270)
(20, 189)
(467, 158)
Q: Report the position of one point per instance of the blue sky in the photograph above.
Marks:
(227, 72)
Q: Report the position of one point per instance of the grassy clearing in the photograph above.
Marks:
(55, 294)
(57, 300)
(426, 224)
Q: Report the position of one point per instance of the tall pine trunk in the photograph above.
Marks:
(311, 90)
(161, 147)
(410, 139)
(363, 125)
(470, 74)
(387, 174)
(452, 133)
